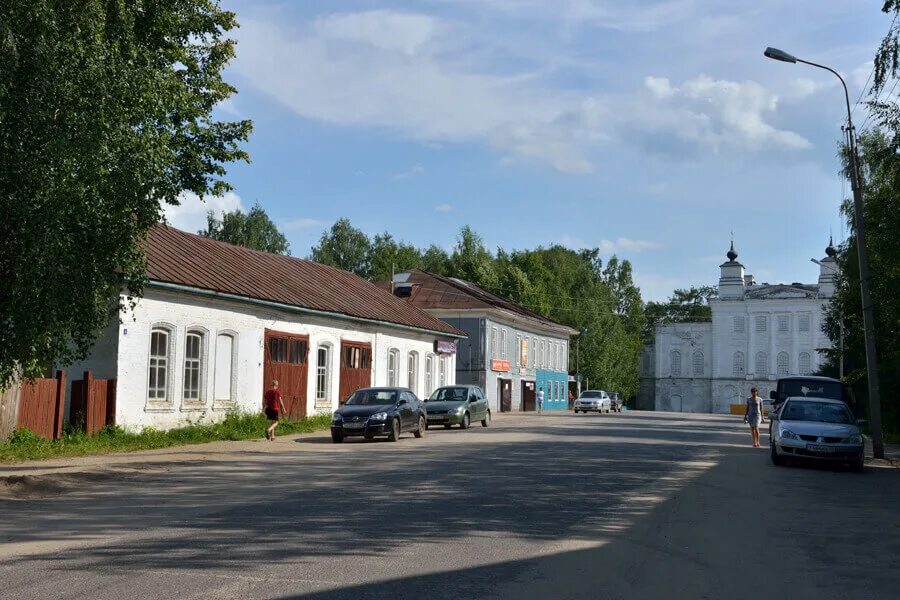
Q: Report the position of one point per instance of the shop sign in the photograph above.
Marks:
(444, 347)
(499, 365)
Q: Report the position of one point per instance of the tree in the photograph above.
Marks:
(682, 307)
(387, 256)
(253, 230)
(471, 260)
(344, 247)
(105, 114)
(435, 260)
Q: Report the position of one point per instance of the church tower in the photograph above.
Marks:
(731, 280)
(828, 270)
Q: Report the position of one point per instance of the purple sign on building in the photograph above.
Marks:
(444, 347)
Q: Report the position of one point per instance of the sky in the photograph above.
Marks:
(649, 129)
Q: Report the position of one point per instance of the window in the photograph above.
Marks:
(519, 356)
(159, 365)
(762, 363)
(442, 371)
(225, 368)
(504, 350)
(429, 374)
(675, 363)
(356, 357)
(564, 363)
(393, 356)
(193, 371)
(412, 372)
(782, 363)
(551, 350)
(494, 353)
(804, 363)
(534, 349)
(560, 357)
(804, 322)
(783, 322)
(739, 324)
(290, 351)
(698, 363)
(760, 324)
(323, 374)
(543, 354)
(738, 363)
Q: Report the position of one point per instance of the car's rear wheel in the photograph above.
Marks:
(394, 433)
(465, 422)
(486, 420)
(337, 438)
(576, 412)
(777, 459)
(422, 427)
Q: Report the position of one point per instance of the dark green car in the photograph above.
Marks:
(457, 405)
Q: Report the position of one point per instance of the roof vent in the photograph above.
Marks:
(403, 290)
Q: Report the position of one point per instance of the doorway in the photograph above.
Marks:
(356, 368)
(505, 394)
(287, 360)
(528, 396)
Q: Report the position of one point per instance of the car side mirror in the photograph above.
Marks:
(401, 403)
(772, 395)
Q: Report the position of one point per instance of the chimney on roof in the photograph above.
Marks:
(748, 280)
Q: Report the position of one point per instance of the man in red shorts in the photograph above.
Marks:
(273, 405)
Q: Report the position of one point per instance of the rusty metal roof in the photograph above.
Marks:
(431, 291)
(182, 258)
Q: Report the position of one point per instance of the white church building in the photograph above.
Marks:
(758, 333)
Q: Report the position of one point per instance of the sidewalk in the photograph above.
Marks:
(891, 455)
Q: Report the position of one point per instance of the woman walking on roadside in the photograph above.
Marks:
(753, 415)
(273, 406)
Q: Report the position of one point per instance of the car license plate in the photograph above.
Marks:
(818, 448)
(354, 425)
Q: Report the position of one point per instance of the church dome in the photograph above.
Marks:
(830, 251)
(731, 254)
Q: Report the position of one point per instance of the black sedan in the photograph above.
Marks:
(371, 412)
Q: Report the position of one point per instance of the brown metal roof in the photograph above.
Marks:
(430, 291)
(181, 258)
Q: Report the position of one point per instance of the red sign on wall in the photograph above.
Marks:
(499, 365)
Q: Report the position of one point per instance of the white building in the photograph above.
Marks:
(758, 333)
(217, 322)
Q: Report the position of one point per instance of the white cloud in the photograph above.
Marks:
(303, 223)
(190, 215)
(443, 208)
(410, 172)
(624, 244)
(382, 29)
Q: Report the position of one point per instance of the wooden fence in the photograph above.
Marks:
(93, 405)
(42, 403)
(9, 409)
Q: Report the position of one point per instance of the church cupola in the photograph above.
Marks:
(828, 271)
(731, 279)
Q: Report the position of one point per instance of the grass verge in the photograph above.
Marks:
(25, 445)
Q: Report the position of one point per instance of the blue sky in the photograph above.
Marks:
(650, 129)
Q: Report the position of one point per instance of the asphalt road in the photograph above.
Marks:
(637, 505)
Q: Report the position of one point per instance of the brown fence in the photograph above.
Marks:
(93, 404)
(9, 409)
(41, 406)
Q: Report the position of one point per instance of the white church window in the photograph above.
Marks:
(675, 363)
(804, 322)
(783, 323)
(804, 363)
(762, 363)
(739, 324)
(782, 363)
(760, 324)
(738, 364)
(698, 363)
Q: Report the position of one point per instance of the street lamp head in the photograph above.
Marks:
(776, 54)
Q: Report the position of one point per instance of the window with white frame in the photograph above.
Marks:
(739, 324)
(494, 353)
(393, 357)
(519, 351)
(193, 366)
(804, 323)
(323, 374)
(782, 364)
(160, 357)
(504, 349)
(442, 370)
(543, 354)
(760, 324)
(804, 363)
(429, 374)
(762, 363)
(698, 363)
(738, 364)
(524, 351)
(565, 357)
(560, 357)
(534, 353)
(675, 363)
(225, 367)
(783, 323)
(412, 372)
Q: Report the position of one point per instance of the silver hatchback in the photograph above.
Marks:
(816, 428)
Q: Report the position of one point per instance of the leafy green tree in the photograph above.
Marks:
(105, 114)
(253, 230)
(471, 260)
(344, 247)
(682, 306)
(436, 260)
(387, 256)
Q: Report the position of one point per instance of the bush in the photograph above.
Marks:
(24, 436)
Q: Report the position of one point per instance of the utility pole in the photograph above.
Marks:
(861, 254)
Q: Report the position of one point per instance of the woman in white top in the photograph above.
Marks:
(754, 415)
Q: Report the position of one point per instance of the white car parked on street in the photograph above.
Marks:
(596, 401)
(816, 428)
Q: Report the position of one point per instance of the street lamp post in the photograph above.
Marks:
(867, 307)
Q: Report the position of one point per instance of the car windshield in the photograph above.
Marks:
(373, 397)
(591, 395)
(449, 394)
(820, 412)
(811, 389)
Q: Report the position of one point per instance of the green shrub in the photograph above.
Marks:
(24, 436)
